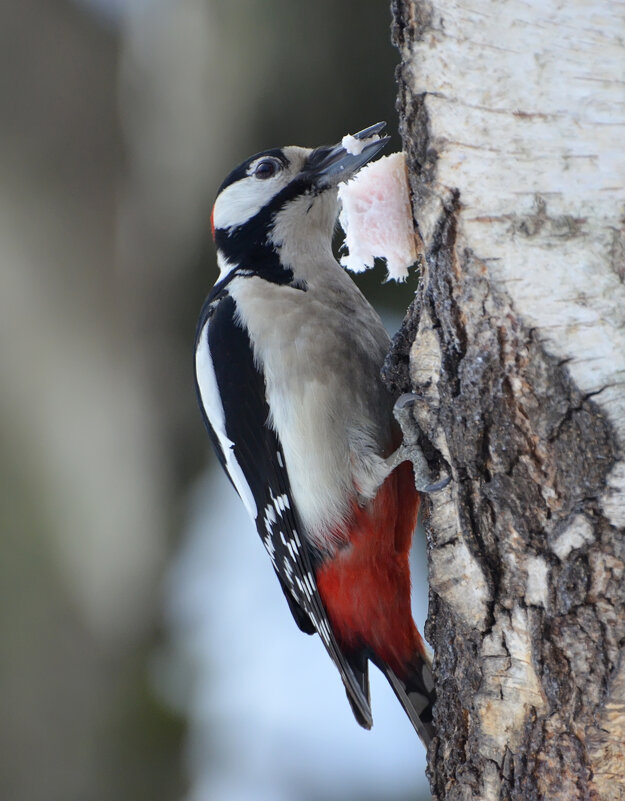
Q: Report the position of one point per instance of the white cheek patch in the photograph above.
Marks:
(242, 200)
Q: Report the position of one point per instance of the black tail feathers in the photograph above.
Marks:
(415, 691)
(360, 668)
(416, 694)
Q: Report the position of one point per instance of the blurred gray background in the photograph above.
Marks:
(145, 652)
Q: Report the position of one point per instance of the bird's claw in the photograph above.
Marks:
(410, 449)
(436, 486)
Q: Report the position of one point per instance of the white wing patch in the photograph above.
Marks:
(209, 392)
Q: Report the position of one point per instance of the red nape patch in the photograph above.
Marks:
(366, 587)
(213, 222)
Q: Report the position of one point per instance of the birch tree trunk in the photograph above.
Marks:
(513, 118)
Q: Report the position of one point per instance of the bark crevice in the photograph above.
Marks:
(527, 606)
(529, 455)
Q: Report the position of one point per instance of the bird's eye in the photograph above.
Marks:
(266, 168)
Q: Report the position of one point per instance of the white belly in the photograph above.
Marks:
(329, 407)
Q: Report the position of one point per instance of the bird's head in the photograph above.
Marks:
(282, 199)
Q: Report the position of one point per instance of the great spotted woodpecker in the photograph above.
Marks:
(288, 359)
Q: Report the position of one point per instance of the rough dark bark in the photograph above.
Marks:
(527, 606)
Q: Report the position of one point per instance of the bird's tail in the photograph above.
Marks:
(415, 692)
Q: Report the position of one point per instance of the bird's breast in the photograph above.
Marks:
(321, 362)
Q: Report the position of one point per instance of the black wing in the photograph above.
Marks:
(236, 414)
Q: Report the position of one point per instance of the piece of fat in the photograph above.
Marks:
(377, 218)
(355, 146)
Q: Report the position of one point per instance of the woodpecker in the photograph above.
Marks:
(288, 360)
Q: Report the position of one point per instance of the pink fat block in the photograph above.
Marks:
(377, 218)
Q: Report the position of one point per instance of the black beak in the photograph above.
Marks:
(329, 165)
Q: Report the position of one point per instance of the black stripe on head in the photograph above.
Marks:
(248, 245)
(243, 169)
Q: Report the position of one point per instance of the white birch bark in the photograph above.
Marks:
(513, 117)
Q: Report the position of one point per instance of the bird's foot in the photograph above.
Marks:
(410, 450)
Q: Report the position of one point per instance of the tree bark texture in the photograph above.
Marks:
(513, 119)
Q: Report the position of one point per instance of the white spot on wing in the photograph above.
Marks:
(211, 401)
(270, 547)
(270, 516)
(281, 502)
